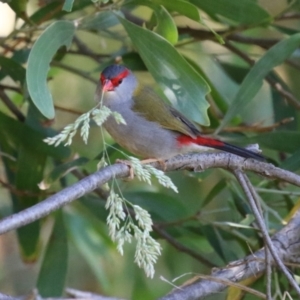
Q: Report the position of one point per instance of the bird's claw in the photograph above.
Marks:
(129, 164)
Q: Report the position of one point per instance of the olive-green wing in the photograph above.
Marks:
(153, 108)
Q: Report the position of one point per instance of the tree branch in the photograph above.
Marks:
(287, 245)
(195, 162)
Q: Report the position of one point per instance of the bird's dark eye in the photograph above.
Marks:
(120, 81)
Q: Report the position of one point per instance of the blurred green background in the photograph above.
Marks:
(72, 248)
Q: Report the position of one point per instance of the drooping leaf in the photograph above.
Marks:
(164, 24)
(53, 9)
(242, 11)
(19, 7)
(64, 169)
(292, 163)
(183, 86)
(10, 67)
(90, 244)
(285, 141)
(217, 241)
(68, 4)
(163, 207)
(100, 21)
(183, 7)
(254, 80)
(52, 275)
(30, 166)
(20, 134)
(55, 36)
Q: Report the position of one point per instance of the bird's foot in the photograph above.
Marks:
(151, 160)
(144, 162)
(129, 164)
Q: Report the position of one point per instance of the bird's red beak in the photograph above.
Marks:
(107, 85)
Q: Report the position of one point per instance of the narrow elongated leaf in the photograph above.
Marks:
(68, 5)
(292, 163)
(100, 21)
(217, 239)
(52, 10)
(242, 11)
(91, 245)
(64, 169)
(163, 207)
(51, 279)
(183, 86)
(254, 80)
(285, 141)
(165, 24)
(55, 36)
(183, 7)
(30, 166)
(11, 68)
(21, 134)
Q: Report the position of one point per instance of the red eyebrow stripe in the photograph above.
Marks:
(115, 80)
(122, 75)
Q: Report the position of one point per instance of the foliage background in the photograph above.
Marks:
(72, 247)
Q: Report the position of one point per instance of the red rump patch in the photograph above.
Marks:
(199, 140)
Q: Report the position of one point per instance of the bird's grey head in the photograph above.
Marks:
(117, 82)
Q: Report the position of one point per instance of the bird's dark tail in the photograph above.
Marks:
(216, 144)
(240, 151)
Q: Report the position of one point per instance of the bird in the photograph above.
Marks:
(154, 129)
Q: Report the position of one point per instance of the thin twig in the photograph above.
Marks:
(73, 70)
(253, 128)
(268, 274)
(11, 106)
(245, 183)
(181, 247)
(83, 49)
(9, 87)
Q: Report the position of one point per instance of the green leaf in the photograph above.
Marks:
(90, 243)
(52, 10)
(30, 166)
(68, 5)
(254, 80)
(166, 26)
(183, 86)
(183, 7)
(64, 169)
(217, 241)
(215, 191)
(100, 21)
(52, 275)
(241, 11)
(10, 67)
(20, 134)
(285, 141)
(55, 36)
(163, 207)
(18, 6)
(292, 163)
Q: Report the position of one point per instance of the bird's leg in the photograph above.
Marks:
(151, 160)
(129, 164)
(144, 162)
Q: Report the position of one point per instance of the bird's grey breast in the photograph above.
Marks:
(140, 136)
